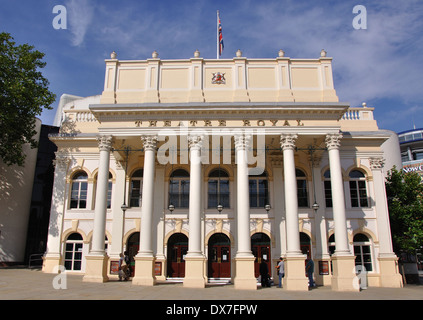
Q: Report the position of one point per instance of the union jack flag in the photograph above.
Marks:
(220, 35)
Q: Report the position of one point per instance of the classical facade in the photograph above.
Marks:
(202, 169)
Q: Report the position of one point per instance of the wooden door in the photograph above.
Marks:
(260, 246)
(219, 256)
(177, 249)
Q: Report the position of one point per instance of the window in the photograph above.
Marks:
(302, 195)
(358, 189)
(328, 189)
(73, 252)
(136, 189)
(259, 191)
(362, 251)
(79, 191)
(179, 189)
(218, 189)
(109, 190)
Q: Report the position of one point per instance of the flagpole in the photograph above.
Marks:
(217, 35)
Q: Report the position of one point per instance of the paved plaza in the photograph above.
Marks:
(33, 284)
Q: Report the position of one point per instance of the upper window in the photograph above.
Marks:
(218, 189)
(179, 189)
(358, 189)
(259, 191)
(302, 194)
(136, 189)
(79, 190)
(328, 189)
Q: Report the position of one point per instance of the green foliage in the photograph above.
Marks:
(23, 95)
(405, 202)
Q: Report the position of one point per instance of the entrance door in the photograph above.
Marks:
(133, 247)
(260, 245)
(219, 256)
(177, 248)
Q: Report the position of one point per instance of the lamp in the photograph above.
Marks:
(315, 205)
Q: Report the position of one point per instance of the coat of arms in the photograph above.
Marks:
(218, 78)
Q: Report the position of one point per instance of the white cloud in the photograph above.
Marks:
(80, 14)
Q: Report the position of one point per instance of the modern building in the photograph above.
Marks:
(201, 169)
(25, 196)
(411, 144)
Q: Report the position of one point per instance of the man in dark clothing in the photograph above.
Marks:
(264, 273)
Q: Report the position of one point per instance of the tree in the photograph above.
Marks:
(405, 202)
(23, 96)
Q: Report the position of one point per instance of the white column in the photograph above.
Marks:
(149, 143)
(99, 232)
(96, 267)
(291, 201)
(144, 260)
(243, 196)
(295, 278)
(389, 273)
(333, 142)
(194, 243)
(52, 259)
(244, 259)
(342, 260)
(195, 260)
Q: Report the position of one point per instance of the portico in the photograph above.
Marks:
(170, 153)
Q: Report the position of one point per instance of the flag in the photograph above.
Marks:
(220, 35)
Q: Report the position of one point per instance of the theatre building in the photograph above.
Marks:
(201, 169)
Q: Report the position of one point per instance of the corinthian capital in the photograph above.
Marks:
(288, 141)
(61, 161)
(195, 141)
(376, 163)
(105, 143)
(242, 141)
(333, 141)
(149, 142)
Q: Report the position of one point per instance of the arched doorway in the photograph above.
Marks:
(132, 248)
(260, 245)
(73, 252)
(219, 256)
(177, 247)
(305, 244)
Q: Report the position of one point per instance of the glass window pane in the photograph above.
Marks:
(253, 193)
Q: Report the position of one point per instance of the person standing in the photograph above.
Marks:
(281, 271)
(309, 271)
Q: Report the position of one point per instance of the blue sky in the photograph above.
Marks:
(381, 65)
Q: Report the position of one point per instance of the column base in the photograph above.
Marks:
(244, 273)
(96, 268)
(144, 271)
(51, 263)
(389, 274)
(344, 277)
(195, 272)
(295, 276)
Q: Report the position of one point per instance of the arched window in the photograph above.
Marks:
(109, 190)
(259, 190)
(179, 189)
(79, 190)
(363, 252)
(358, 189)
(135, 192)
(218, 189)
(302, 194)
(328, 189)
(73, 252)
